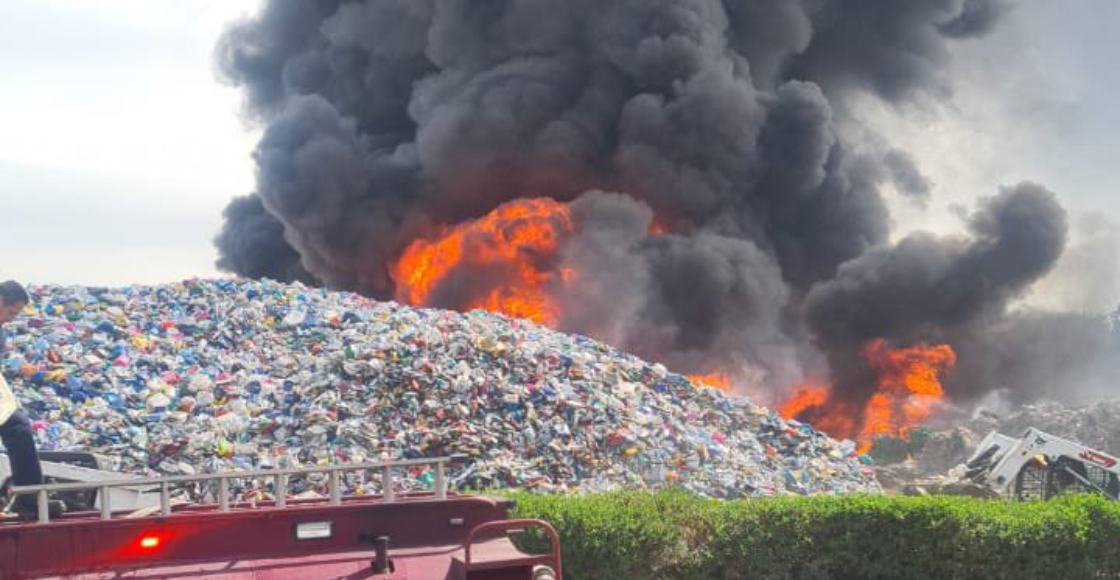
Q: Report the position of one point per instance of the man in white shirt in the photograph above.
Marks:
(15, 429)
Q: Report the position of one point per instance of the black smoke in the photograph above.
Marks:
(952, 289)
(254, 245)
(385, 119)
(888, 48)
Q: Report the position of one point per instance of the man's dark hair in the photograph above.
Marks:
(11, 292)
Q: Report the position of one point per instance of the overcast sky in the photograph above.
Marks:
(119, 149)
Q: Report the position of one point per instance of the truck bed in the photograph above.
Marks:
(427, 538)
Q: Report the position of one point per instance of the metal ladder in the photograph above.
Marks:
(135, 496)
(106, 498)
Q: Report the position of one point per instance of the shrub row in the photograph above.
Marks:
(673, 535)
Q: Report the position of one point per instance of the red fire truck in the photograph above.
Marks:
(140, 528)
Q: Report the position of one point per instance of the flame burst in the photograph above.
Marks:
(805, 398)
(715, 380)
(907, 390)
(514, 248)
(909, 384)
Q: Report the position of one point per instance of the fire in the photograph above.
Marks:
(811, 402)
(510, 255)
(508, 262)
(804, 398)
(514, 246)
(715, 380)
(908, 386)
(907, 391)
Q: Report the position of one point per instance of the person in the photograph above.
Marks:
(15, 430)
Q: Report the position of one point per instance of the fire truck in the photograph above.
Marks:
(131, 527)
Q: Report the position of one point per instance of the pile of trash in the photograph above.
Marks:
(207, 376)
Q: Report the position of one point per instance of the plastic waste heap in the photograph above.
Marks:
(213, 375)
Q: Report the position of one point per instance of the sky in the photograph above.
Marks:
(119, 147)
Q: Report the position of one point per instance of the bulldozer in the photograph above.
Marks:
(1042, 466)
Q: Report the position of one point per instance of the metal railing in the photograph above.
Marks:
(280, 484)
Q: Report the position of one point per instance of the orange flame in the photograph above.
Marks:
(804, 398)
(812, 401)
(514, 245)
(715, 380)
(907, 391)
(908, 386)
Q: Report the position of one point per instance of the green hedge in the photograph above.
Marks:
(671, 535)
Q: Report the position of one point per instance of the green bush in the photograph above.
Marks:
(673, 535)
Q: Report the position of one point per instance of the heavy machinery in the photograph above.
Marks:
(1041, 466)
(391, 535)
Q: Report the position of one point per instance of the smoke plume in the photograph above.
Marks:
(927, 288)
(721, 219)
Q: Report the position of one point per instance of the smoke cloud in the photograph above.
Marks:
(946, 289)
(253, 243)
(720, 120)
